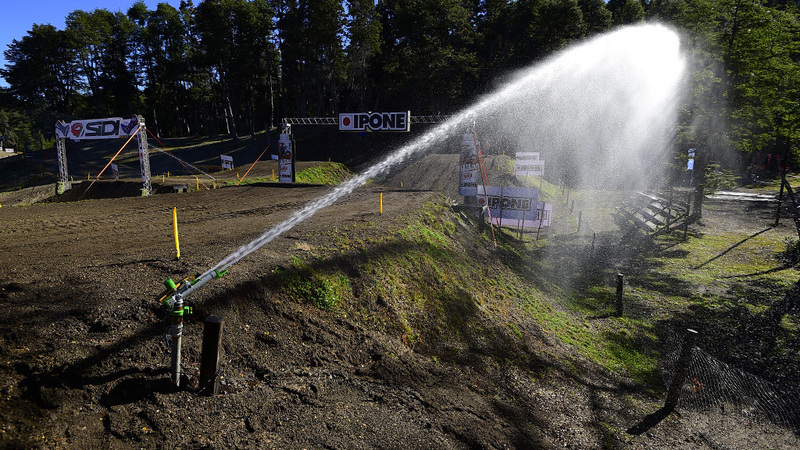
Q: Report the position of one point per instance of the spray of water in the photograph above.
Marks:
(603, 107)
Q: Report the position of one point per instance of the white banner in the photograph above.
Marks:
(109, 128)
(227, 162)
(285, 159)
(528, 163)
(469, 175)
(544, 209)
(375, 121)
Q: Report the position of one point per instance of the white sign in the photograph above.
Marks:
(375, 121)
(690, 163)
(469, 176)
(9, 150)
(543, 210)
(227, 161)
(285, 159)
(528, 163)
(109, 128)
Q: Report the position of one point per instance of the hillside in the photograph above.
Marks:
(418, 326)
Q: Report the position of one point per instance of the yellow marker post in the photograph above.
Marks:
(381, 208)
(175, 228)
(273, 174)
(167, 174)
(401, 185)
(237, 174)
(437, 185)
(162, 177)
(197, 181)
(88, 176)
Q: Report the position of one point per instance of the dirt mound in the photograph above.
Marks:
(84, 360)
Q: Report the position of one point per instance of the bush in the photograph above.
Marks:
(718, 178)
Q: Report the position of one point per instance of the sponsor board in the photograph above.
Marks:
(375, 121)
(528, 163)
(469, 176)
(508, 202)
(542, 219)
(227, 162)
(108, 128)
(286, 172)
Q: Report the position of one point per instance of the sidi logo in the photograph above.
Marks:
(375, 121)
(102, 128)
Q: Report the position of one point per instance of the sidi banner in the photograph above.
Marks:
(108, 128)
(375, 121)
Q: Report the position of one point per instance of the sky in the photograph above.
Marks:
(18, 16)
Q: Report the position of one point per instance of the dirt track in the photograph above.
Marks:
(83, 360)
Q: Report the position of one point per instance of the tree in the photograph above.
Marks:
(363, 33)
(426, 54)
(312, 55)
(40, 70)
(100, 42)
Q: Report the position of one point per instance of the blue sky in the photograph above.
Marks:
(18, 16)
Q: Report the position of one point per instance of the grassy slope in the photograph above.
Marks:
(449, 289)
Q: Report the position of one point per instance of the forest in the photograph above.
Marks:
(234, 68)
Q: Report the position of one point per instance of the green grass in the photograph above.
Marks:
(325, 173)
(449, 288)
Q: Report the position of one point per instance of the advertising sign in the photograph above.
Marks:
(285, 159)
(375, 121)
(468, 167)
(109, 128)
(528, 163)
(690, 163)
(227, 162)
(509, 202)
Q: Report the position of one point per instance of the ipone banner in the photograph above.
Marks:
(375, 121)
(509, 202)
(468, 175)
(528, 163)
(109, 128)
(285, 159)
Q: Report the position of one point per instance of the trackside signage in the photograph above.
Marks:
(375, 121)
(468, 167)
(109, 128)
(286, 158)
(528, 163)
(509, 202)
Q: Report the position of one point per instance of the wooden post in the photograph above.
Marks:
(780, 198)
(681, 370)
(620, 287)
(210, 356)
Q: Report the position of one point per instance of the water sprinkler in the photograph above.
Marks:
(173, 297)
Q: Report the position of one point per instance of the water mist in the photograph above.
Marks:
(601, 111)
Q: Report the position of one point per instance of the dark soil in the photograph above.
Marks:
(84, 360)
